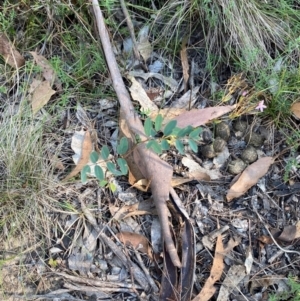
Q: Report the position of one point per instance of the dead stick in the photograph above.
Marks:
(131, 29)
(136, 127)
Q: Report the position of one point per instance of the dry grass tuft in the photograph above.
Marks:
(250, 33)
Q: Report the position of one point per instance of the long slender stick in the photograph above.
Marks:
(151, 165)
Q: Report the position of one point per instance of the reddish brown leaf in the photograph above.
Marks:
(135, 240)
(266, 239)
(295, 109)
(249, 177)
(87, 147)
(197, 117)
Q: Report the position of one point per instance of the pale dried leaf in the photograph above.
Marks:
(156, 66)
(140, 208)
(83, 156)
(76, 145)
(241, 224)
(34, 84)
(139, 94)
(187, 100)
(169, 81)
(199, 173)
(11, 56)
(265, 281)
(209, 289)
(249, 177)
(82, 116)
(249, 261)
(221, 158)
(48, 71)
(144, 184)
(143, 44)
(234, 276)
(129, 224)
(297, 234)
(41, 95)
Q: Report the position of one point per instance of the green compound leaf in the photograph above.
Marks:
(154, 145)
(112, 168)
(122, 148)
(123, 165)
(153, 132)
(195, 133)
(99, 173)
(165, 145)
(193, 145)
(158, 122)
(185, 131)
(85, 170)
(148, 127)
(104, 152)
(94, 157)
(103, 183)
(180, 147)
(175, 131)
(169, 127)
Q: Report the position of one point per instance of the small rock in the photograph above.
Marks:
(236, 166)
(223, 130)
(206, 135)
(240, 126)
(219, 144)
(249, 155)
(254, 139)
(208, 151)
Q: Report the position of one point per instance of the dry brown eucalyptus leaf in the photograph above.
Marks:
(135, 240)
(209, 289)
(295, 109)
(249, 177)
(184, 63)
(139, 94)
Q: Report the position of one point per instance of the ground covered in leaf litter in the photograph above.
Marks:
(246, 229)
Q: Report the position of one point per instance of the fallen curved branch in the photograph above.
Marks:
(152, 167)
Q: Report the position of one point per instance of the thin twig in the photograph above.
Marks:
(141, 263)
(131, 30)
(275, 242)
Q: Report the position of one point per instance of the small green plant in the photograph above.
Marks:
(292, 295)
(291, 165)
(158, 140)
(117, 170)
